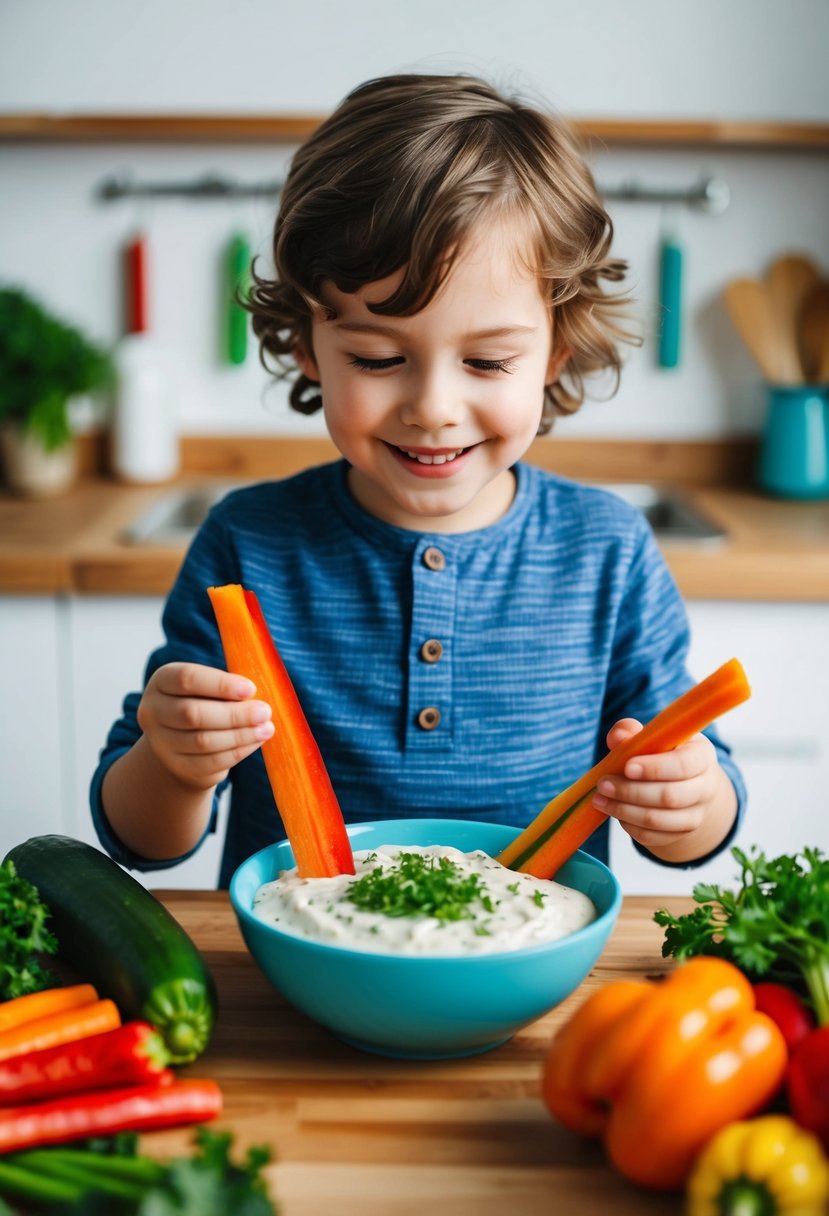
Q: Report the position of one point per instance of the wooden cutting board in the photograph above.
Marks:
(354, 1134)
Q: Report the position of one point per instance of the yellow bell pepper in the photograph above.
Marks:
(761, 1167)
(655, 1069)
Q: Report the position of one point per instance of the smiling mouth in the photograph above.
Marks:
(437, 457)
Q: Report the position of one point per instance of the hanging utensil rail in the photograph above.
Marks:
(710, 194)
(210, 186)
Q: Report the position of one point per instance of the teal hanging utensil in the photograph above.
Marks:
(670, 302)
(237, 277)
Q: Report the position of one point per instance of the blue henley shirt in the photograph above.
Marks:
(470, 676)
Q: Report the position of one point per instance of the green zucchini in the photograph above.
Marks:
(120, 938)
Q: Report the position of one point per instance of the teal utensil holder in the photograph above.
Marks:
(794, 451)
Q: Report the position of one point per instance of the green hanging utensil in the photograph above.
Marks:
(237, 278)
(670, 301)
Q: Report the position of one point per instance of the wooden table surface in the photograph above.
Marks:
(354, 1134)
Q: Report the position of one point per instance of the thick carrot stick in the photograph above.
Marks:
(299, 779)
(61, 1027)
(41, 1004)
(567, 821)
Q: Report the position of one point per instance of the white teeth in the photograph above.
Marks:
(437, 459)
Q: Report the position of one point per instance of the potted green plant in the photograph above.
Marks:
(44, 362)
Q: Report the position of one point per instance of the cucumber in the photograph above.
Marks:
(118, 936)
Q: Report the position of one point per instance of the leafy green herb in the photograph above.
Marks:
(539, 897)
(419, 885)
(43, 362)
(775, 925)
(97, 1183)
(513, 888)
(23, 936)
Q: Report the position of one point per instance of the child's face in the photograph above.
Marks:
(432, 410)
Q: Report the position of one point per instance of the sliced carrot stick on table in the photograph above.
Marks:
(40, 1004)
(299, 779)
(60, 1027)
(567, 821)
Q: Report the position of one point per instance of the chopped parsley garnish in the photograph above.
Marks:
(420, 886)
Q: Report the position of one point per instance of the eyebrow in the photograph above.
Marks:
(388, 331)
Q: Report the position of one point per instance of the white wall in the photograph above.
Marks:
(644, 58)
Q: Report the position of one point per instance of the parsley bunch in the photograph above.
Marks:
(23, 936)
(774, 926)
(420, 886)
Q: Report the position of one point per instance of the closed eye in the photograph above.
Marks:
(492, 365)
(375, 365)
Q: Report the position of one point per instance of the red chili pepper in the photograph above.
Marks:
(136, 275)
(807, 1084)
(794, 1019)
(103, 1112)
(131, 1054)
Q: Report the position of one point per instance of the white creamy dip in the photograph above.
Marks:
(523, 911)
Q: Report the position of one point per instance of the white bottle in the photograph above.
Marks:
(145, 441)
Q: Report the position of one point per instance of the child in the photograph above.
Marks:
(466, 633)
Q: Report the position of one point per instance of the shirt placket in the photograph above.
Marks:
(434, 590)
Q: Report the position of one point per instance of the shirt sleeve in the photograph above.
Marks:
(191, 636)
(649, 668)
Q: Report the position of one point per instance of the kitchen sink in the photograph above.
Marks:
(174, 518)
(671, 515)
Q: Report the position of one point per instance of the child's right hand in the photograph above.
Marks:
(200, 721)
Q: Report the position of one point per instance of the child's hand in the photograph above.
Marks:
(199, 721)
(663, 799)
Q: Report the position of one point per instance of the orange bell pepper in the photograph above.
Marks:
(296, 770)
(655, 1069)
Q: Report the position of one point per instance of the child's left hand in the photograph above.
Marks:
(663, 799)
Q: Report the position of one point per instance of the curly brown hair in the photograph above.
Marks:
(398, 177)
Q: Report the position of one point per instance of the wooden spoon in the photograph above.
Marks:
(749, 305)
(790, 278)
(814, 334)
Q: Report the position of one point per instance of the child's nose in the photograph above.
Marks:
(432, 402)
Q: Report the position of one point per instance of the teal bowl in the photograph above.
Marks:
(420, 1007)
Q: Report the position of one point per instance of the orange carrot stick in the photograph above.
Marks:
(567, 821)
(62, 1027)
(301, 786)
(41, 1004)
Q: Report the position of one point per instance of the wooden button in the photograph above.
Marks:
(434, 558)
(428, 718)
(431, 650)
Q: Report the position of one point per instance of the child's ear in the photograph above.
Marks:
(556, 365)
(306, 362)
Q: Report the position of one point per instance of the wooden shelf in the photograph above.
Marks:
(289, 128)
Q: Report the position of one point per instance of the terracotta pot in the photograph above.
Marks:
(32, 472)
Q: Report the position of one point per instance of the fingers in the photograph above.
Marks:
(196, 680)
(209, 754)
(200, 721)
(663, 796)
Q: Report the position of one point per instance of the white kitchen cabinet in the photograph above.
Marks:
(111, 638)
(33, 744)
(780, 737)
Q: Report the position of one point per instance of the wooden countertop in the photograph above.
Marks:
(355, 1134)
(774, 550)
